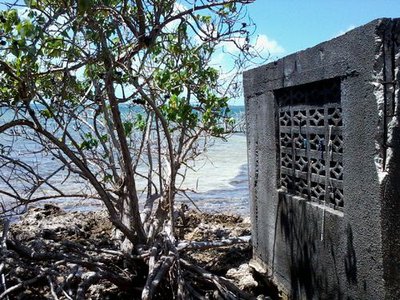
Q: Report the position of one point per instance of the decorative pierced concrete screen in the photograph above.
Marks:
(311, 143)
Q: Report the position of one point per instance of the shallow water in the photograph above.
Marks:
(218, 181)
(221, 182)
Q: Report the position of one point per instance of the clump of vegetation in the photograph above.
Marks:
(120, 95)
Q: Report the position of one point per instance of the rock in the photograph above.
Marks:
(48, 234)
(69, 233)
(19, 271)
(243, 276)
(262, 297)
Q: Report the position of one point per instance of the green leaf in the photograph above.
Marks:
(140, 123)
(83, 6)
(46, 113)
(65, 34)
(107, 177)
(104, 138)
(89, 143)
(205, 19)
(31, 3)
(12, 17)
(128, 126)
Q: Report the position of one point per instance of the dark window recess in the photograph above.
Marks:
(311, 142)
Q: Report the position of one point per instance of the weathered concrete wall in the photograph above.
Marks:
(311, 250)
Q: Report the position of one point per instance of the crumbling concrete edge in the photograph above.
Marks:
(387, 160)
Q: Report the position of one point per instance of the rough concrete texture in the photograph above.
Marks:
(309, 250)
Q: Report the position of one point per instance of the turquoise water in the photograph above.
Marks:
(217, 180)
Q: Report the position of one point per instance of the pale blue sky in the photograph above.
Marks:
(288, 26)
(299, 24)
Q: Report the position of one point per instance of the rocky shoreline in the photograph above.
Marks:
(52, 254)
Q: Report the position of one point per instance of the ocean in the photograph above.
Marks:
(217, 181)
(221, 177)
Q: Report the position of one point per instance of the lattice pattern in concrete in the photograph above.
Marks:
(311, 141)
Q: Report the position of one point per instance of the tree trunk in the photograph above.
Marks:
(127, 219)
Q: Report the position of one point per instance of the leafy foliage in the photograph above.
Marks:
(114, 91)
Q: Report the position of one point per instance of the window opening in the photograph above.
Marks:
(311, 141)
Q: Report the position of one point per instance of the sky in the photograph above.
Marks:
(287, 26)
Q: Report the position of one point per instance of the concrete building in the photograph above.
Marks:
(323, 130)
